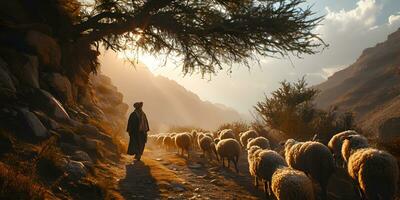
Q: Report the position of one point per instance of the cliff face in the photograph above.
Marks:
(58, 121)
(370, 87)
(165, 101)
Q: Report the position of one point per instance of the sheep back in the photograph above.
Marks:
(259, 141)
(376, 171)
(289, 184)
(228, 148)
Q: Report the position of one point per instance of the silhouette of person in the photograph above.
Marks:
(137, 129)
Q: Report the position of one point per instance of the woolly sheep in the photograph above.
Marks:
(258, 141)
(229, 149)
(289, 184)
(168, 142)
(357, 142)
(313, 158)
(226, 133)
(251, 154)
(183, 142)
(335, 145)
(375, 171)
(285, 183)
(207, 145)
(246, 135)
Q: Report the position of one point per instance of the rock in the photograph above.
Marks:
(33, 123)
(389, 131)
(76, 170)
(46, 102)
(60, 86)
(195, 166)
(25, 69)
(178, 187)
(158, 159)
(46, 47)
(6, 83)
(5, 144)
(197, 189)
(215, 182)
(81, 156)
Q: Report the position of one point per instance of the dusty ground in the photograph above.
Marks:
(165, 175)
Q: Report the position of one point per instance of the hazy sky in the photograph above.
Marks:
(349, 27)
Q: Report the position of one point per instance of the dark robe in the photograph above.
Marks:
(138, 138)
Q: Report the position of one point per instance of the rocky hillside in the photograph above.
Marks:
(59, 121)
(370, 88)
(165, 101)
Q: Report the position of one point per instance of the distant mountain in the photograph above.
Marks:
(370, 87)
(165, 101)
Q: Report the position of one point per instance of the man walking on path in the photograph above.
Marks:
(137, 129)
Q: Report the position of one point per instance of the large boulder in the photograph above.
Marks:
(33, 123)
(389, 131)
(46, 102)
(25, 69)
(75, 170)
(6, 83)
(60, 86)
(46, 47)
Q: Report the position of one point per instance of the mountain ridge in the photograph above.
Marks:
(368, 87)
(167, 102)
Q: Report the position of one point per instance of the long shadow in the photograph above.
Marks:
(244, 178)
(139, 183)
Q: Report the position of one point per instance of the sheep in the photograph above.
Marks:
(207, 145)
(375, 172)
(246, 135)
(229, 149)
(251, 153)
(289, 184)
(313, 158)
(335, 145)
(226, 133)
(194, 135)
(356, 142)
(258, 141)
(183, 142)
(168, 142)
(285, 183)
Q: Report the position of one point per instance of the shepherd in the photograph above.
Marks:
(137, 129)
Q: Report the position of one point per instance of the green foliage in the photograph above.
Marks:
(204, 34)
(290, 109)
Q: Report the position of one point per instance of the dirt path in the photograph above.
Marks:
(166, 175)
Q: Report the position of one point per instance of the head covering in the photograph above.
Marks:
(138, 105)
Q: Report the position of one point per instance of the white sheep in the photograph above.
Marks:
(357, 142)
(226, 133)
(246, 135)
(251, 154)
(258, 141)
(335, 145)
(376, 172)
(207, 145)
(183, 142)
(285, 183)
(229, 149)
(313, 158)
(289, 184)
(168, 142)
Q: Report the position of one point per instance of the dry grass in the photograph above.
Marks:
(14, 185)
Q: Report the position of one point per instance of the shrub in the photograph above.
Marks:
(14, 185)
(237, 127)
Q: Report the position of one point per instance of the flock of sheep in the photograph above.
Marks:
(289, 174)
